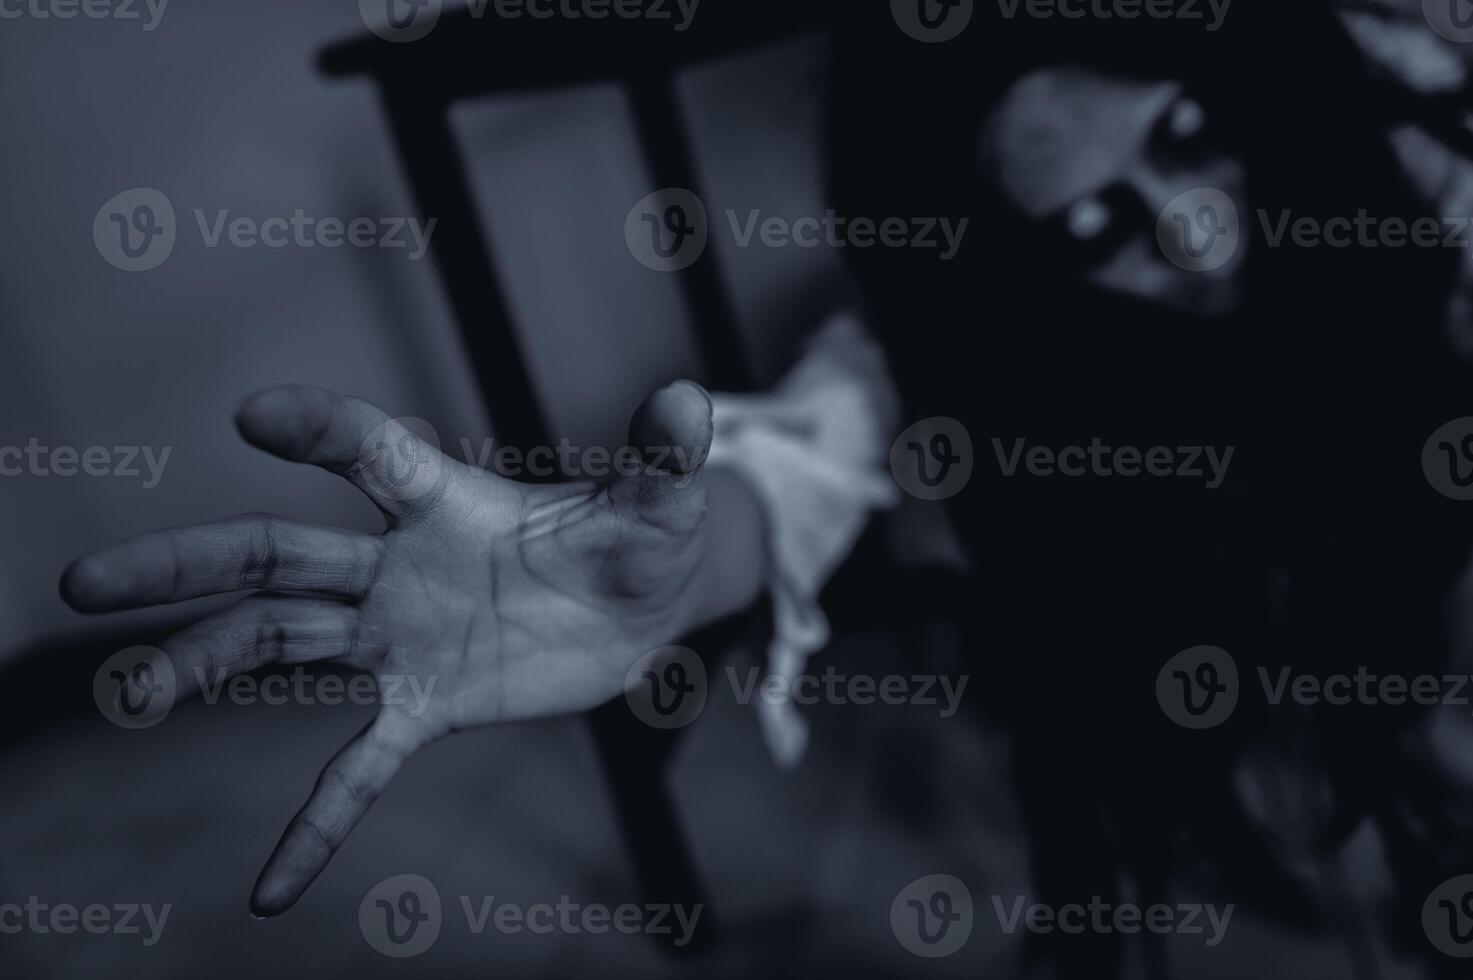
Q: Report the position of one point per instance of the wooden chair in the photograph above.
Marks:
(466, 57)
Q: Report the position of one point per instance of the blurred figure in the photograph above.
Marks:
(1099, 158)
(1069, 318)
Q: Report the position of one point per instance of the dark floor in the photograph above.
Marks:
(802, 867)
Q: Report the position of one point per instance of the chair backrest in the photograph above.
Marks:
(469, 57)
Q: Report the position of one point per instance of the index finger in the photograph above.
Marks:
(397, 463)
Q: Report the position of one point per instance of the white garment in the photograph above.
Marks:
(815, 450)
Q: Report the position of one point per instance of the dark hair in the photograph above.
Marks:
(1325, 551)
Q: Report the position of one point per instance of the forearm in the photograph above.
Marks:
(792, 477)
(733, 568)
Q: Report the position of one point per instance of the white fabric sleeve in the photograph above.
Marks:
(815, 450)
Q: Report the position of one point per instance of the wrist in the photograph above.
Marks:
(732, 568)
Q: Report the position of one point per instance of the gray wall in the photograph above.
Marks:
(220, 107)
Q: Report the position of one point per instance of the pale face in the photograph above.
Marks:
(1100, 157)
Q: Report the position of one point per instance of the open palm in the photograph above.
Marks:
(497, 600)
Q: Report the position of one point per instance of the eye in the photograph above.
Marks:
(1088, 219)
(1185, 119)
(1091, 230)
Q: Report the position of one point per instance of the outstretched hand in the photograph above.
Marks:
(520, 601)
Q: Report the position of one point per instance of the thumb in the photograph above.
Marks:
(672, 433)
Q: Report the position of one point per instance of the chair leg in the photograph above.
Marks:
(635, 758)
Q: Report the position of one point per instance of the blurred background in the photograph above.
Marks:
(226, 107)
(223, 107)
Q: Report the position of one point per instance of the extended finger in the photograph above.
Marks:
(346, 789)
(254, 551)
(397, 469)
(259, 631)
(674, 429)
